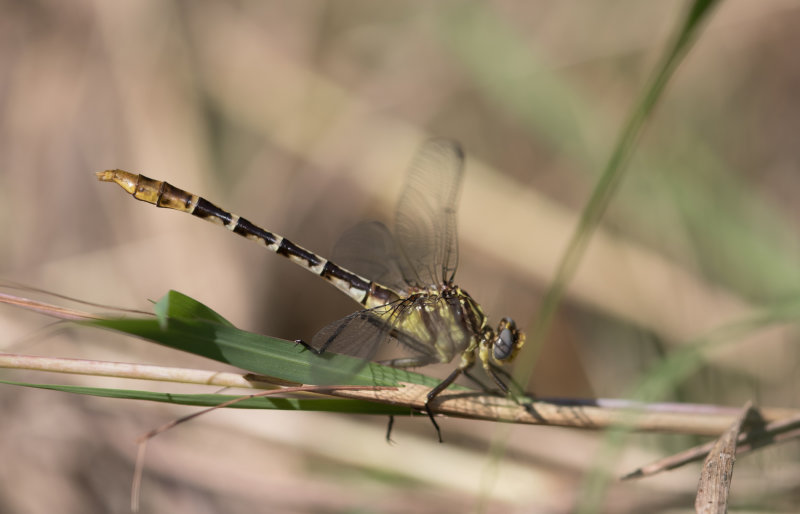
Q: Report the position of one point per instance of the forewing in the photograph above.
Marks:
(369, 250)
(425, 221)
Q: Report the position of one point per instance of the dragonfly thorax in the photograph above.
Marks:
(448, 322)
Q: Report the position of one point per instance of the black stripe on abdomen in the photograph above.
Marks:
(208, 211)
(294, 252)
(247, 229)
(331, 270)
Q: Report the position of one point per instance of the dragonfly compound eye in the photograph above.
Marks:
(507, 343)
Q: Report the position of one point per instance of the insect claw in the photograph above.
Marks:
(307, 346)
(389, 431)
(433, 420)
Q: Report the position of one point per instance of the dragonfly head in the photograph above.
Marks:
(507, 342)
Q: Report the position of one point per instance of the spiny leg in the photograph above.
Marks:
(515, 392)
(510, 379)
(308, 347)
(424, 360)
(519, 396)
(493, 373)
(444, 384)
(485, 388)
(389, 430)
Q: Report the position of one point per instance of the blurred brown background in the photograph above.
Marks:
(302, 116)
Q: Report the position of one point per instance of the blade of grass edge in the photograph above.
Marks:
(196, 329)
(210, 400)
(595, 485)
(595, 208)
(609, 182)
(179, 306)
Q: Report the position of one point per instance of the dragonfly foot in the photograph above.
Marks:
(435, 424)
(389, 430)
(307, 346)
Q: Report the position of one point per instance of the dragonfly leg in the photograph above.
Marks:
(510, 380)
(308, 347)
(389, 430)
(519, 395)
(493, 373)
(444, 384)
(485, 388)
(413, 362)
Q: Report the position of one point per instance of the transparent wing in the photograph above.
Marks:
(422, 253)
(370, 250)
(364, 333)
(425, 221)
(355, 335)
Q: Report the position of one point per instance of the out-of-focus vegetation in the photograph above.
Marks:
(303, 116)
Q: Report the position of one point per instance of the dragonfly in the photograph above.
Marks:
(402, 279)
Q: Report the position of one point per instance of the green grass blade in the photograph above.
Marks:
(611, 177)
(264, 355)
(720, 211)
(177, 305)
(211, 400)
(475, 18)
